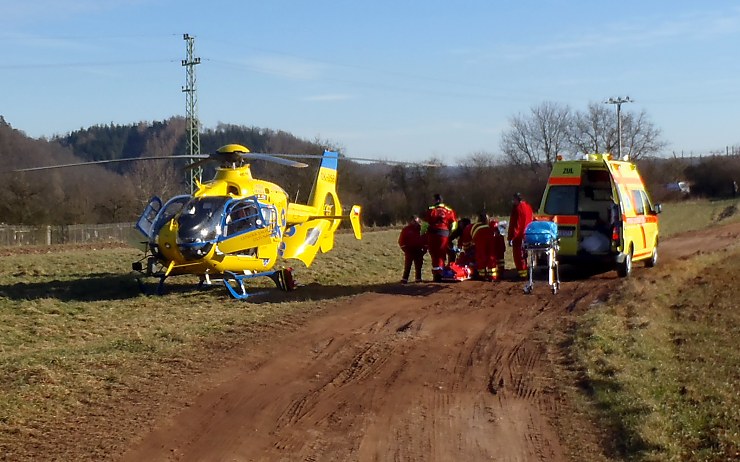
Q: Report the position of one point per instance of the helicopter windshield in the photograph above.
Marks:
(200, 219)
(169, 210)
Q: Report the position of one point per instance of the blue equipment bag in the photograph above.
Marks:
(541, 234)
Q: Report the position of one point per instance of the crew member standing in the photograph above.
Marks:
(440, 221)
(413, 244)
(521, 216)
(499, 247)
(485, 252)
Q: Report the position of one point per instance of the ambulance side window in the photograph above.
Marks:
(646, 201)
(624, 199)
(638, 202)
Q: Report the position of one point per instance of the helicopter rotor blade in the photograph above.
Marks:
(282, 159)
(358, 159)
(100, 162)
(199, 163)
(275, 159)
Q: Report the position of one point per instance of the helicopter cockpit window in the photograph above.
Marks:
(200, 219)
(243, 216)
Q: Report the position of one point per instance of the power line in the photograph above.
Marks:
(618, 102)
(84, 64)
(193, 141)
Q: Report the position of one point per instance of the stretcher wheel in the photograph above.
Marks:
(527, 289)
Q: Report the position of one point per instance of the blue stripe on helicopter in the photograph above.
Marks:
(330, 160)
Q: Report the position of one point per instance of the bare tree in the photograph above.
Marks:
(595, 131)
(640, 137)
(538, 137)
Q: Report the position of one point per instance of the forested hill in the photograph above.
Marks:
(389, 194)
(163, 138)
(118, 192)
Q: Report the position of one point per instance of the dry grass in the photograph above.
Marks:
(76, 332)
(660, 360)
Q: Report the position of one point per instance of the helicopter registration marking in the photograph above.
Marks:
(330, 177)
(260, 233)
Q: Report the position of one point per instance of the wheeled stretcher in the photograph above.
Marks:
(541, 244)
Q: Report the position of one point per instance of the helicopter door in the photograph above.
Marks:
(146, 220)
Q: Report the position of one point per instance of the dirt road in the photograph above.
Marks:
(411, 373)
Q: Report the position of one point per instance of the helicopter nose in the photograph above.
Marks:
(194, 251)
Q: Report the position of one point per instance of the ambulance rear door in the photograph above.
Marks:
(561, 202)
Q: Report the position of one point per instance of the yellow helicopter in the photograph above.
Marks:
(235, 227)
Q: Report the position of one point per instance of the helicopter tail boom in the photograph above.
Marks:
(314, 224)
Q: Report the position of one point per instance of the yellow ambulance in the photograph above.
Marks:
(603, 211)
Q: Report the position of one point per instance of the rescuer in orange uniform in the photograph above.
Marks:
(440, 222)
(414, 246)
(499, 247)
(521, 216)
(485, 251)
(452, 251)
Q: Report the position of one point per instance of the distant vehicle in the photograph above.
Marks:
(603, 211)
(679, 186)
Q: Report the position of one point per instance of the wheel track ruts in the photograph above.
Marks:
(371, 358)
(523, 361)
(539, 443)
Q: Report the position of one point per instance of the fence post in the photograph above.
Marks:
(48, 234)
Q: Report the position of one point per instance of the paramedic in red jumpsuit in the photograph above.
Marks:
(499, 247)
(466, 257)
(485, 251)
(414, 246)
(521, 216)
(441, 221)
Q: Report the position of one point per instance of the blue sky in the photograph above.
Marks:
(388, 79)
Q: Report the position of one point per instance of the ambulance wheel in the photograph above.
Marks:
(653, 260)
(624, 269)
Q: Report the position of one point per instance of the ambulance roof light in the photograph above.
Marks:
(597, 157)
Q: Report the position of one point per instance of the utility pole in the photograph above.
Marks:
(191, 112)
(618, 102)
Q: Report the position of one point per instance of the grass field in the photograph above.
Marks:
(660, 360)
(691, 215)
(75, 331)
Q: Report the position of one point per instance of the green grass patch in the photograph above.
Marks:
(661, 362)
(696, 214)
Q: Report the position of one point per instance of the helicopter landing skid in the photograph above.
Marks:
(283, 279)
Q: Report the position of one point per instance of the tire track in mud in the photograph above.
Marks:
(414, 374)
(398, 379)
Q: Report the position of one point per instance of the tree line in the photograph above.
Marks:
(389, 194)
